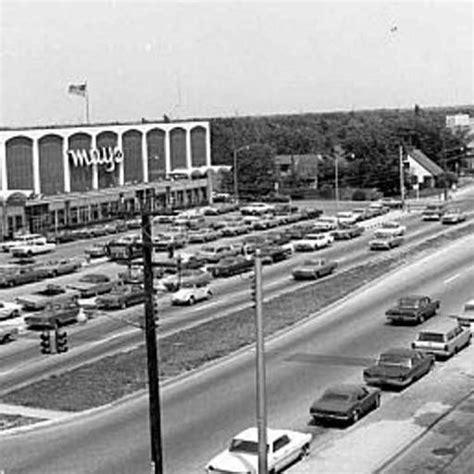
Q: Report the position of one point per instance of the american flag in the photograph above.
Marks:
(78, 89)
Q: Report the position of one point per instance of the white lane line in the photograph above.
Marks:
(450, 279)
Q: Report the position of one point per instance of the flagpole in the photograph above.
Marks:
(87, 104)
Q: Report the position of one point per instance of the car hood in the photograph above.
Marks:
(183, 293)
(235, 462)
(387, 371)
(332, 405)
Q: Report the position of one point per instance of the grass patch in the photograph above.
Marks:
(115, 376)
(8, 422)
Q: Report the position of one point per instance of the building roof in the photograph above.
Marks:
(425, 162)
(297, 159)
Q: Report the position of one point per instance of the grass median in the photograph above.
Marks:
(113, 377)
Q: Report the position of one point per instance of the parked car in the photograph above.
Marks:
(92, 284)
(346, 217)
(377, 209)
(314, 241)
(284, 447)
(311, 212)
(121, 296)
(270, 253)
(385, 242)
(433, 212)
(257, 209)
(466, 317)
(186, 277)
(96, 251)
(325, 224)
(391, 203)
(390, 228)
(190, 293)
(346, 403)
(23, 275)
(453, 216)
(50, 294)
(314, 268)
(54, 315)
(9, 310)
(347, 232)
(443, 339)
(56, 268)
(278, 237)
(213, 253)
(413, 309)
(22, 240)
(34, 248)
(361, 213)
(399, 367)
(230, 266)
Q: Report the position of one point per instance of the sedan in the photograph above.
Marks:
(453, 216)
(313, 242)
(284, 447)
(190, 294)
(232, 266)
(347, 403)
(314, 268)
(188, 276)
(385, 242)
(9, 310)
(96, 251)
(92, 284)
(121, 297)
(399, 367)
(61, 267)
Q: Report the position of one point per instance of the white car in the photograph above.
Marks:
(257, 209)
(284, 447)
(327, 223)
(35, 248)
(313, 242)
(390, 228)
(191, 294)
(23, 240)
(347, 217)
(9, 310)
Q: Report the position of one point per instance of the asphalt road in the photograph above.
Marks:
(201, 412)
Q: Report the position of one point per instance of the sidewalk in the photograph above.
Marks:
(403, 419)
(6, 409)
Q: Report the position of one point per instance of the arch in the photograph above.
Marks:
(198, 146)
(107, 178)
(51, 164)
(178, 148)
(132, 152)
(155, 143)
(19, 162)
(80, 176)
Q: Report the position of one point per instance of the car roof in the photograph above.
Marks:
(345, 388)
(412, 297)
(401, 351)
(440, 325)
(251, 434)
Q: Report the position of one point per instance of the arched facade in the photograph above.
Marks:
(51, 167)
(132, 149)
(178, 148)
(80, 176)
(156, 143)
(19, 163)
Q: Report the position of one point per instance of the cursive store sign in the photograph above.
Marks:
(106, 156)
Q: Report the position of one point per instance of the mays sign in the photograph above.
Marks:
(106, 156)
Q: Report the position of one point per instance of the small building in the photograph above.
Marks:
(303, 167)
(423, 170)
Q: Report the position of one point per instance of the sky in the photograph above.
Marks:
(195, 59)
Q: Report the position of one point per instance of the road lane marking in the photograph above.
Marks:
(450, 279)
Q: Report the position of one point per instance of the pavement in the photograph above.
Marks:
(428, 427)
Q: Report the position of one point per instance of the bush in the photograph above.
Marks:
(359, 195)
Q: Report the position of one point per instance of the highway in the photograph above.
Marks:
(201, 412)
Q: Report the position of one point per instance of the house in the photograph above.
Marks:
(423, 171)
(302, 167)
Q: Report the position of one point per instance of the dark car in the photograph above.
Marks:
(232, 266)
(46, 296)
(346, 403)
(96, 251)
(399, 367)
(121, 297)
(54, 315)
(312, 269)
(347, 232)
(92, 284)
(271, 253)
(413, 309)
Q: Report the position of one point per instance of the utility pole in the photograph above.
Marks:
(336, 173)
(260, 360)
(151, 345)
(402, 176)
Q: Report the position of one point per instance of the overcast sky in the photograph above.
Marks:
(207, 59)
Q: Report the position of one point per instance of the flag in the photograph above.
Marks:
(78, 89)
(394, 29)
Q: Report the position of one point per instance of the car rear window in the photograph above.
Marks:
(339, 397)
(394, 359)
(431, 337)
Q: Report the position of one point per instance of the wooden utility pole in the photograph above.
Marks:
(151, 346)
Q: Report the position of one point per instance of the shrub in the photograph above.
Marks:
(359, 195)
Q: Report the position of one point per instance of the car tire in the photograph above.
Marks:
(304, 452)
(355, 417)
(15, 313)
(191, 301)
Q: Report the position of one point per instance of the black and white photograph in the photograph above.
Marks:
(236, 236)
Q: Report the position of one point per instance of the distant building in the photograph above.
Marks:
(464, 123)
(422, 169)
(302, 167)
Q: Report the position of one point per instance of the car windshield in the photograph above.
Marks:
(312, 263)
(210, 249)
(430, 337)
(336, 397)
(395, 360)
(390, 225)
(408, 303)
(243, 446)
(93, 278)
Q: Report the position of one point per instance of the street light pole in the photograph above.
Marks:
(336, 172)
(236, 184)
(402, 177)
